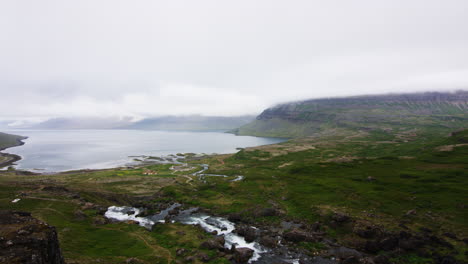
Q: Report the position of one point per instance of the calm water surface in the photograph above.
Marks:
(53, 151)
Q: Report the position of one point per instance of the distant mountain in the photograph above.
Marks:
(394, 111)
(83, 123)
(191, 123)
(178, 123)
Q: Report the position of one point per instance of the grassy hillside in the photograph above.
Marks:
(404, 183)
(298, 119)
(9, 140)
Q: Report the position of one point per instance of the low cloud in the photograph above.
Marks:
(152, 58)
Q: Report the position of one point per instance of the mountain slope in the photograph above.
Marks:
(193, 123)
(9, 140)
(298, 119)
(83, 123)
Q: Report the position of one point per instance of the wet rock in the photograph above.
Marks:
(174, 211)
(366, 232)
(235, 217)
(214, 243)
(315, 226)
(316, 260)
(404, 234)
(388, 243)
(341, 218)
(381, 259)
(269, 241)
(351, 260)
(372, 246)
(242, 255)
(410, 243)
(131, 212)
(39, 245)
(450, 235)
(297, 235)
(132, 222)
(344, 253)
(367, 260)
(249, 233)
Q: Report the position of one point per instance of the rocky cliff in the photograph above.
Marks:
(25, 239)
(361, 112)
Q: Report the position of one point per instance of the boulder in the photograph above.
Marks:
(242, 255)
(235, 217)
(388, 243)
(100, 220)
(268, 241)
(366, 232)
(249, 233)
(381, 259)
(341, 218)
(344, 253)
(214, 243)
(297, 235)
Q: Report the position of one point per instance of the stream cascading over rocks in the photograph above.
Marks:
(221, 225)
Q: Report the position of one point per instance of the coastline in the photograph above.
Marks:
(7, 159)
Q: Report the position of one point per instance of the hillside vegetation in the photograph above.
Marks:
(9, 140)
(397, 196)
(362, 113)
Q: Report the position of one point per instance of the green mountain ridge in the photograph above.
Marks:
(362, 113)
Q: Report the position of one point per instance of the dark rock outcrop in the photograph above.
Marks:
(214, 243)
(249, 233)
(25, 239)
(242, 255)
(298, 235)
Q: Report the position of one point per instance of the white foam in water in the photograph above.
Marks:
(120, 214)
(238, 178)
(217, 224)
(15, 200)
(221, 225)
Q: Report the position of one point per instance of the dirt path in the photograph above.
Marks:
(188, 179)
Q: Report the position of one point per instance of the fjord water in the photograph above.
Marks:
(62, 150)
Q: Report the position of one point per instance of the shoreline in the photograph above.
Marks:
(11, 158)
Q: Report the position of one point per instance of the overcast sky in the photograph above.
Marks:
(148, 57)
